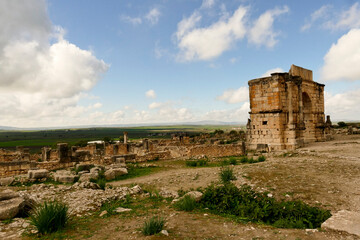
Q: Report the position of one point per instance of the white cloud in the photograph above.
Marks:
(347, 19)
(155, 105)
(321, 13)
(132, 20)
(240, 114)
(269, 72)
(343, 106)
(207, 3)
(153, 16)
(235, 95)
(150, 94)
(341, 62)
(262, 32)
(209, 42)
(335, 19)
(43, 76)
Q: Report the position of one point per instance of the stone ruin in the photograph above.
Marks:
(287, 111)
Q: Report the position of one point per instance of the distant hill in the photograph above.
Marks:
(198, 123)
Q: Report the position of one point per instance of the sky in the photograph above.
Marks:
(66, 63)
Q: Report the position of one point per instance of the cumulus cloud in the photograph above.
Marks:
(235, 95)
(153, 16)
(209, 42)
(155, 105)
(150, 94)
(341, 62)
(343, 106)
(262, 32)
(269, 72)
(42, 75)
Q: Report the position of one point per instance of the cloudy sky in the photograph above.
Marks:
(82, 62)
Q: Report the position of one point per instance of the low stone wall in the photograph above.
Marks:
(153, 155)
(22, 167)
(217, 150)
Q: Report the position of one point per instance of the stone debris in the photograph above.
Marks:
(86, 177)
(344, 220)
(164, 232)
(103, 213)
(168, 194)
(121, 210)
(194, 194)
(38, 174)
(6, 181)
(112, 173)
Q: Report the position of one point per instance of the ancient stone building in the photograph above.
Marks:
(287, 110)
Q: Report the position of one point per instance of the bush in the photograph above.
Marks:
(196, 163)
(249, 205)
(227, 175)
(261, 158)
(153, 225)
(49, 217)
(187, 203)
(191, 163)
(342, 124)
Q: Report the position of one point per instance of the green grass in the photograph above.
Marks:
(187, 203)
(135, 171)
(153, 225)
(49, 217)
(110, 206)
(196, 163)
(247, 205)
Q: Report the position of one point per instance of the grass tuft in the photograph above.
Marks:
(153, 225)
(49, 217)
(227, 174)
(187, 203)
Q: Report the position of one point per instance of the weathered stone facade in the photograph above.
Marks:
(287, 110)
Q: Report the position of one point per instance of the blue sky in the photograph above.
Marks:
(66, 63)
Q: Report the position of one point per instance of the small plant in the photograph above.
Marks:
(233, 160)
(153, 225)
(187, 203)
(202, 162)
(261, 158)
(49, 217)
(191, 163)
(227, 175)
(196, 163)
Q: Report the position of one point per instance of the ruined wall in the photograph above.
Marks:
(22, 167)
(287, 110)
(216, 150)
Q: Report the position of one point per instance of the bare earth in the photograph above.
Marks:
(325, 174)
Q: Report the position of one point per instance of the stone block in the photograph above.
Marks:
(38, 174)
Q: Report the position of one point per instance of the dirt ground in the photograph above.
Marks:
(325, 174)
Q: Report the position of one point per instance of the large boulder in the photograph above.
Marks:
(86, 177)
(194, 194)
(115, 172)
(84, 166)
(38, 174)
(11, 207)
(344, 220)
(64, 176)
(8, 194)
(6, 181)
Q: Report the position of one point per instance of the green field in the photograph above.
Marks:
(37, 139)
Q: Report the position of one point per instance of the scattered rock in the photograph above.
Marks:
(6, 181)
(89, 185)
(168, 194)
(84, 166)
(11, 207)
(115, 172)
(86, 177)
(103, 213)
(194, 194)
(344, 220)
(164, 232)
(38, 174)
(8, 194)
(121, 210)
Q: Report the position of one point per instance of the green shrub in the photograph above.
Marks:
(249, 205)
(102, 183)
(202, 162)
(225, 162)
(244, 159)
(261, 158)
(49, 217)
(110, 206)
(187, 203)
(196, 163)
(153, 225)
(227, 174)
(233, 160)
(342, 124)
(191, 163)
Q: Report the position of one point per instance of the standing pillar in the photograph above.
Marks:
(125, 137)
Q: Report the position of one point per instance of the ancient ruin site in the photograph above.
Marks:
(187, 119)
(287, 154)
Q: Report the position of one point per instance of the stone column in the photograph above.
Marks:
(125, 137)
(63, 152)
(45, 154)
(290, 106)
